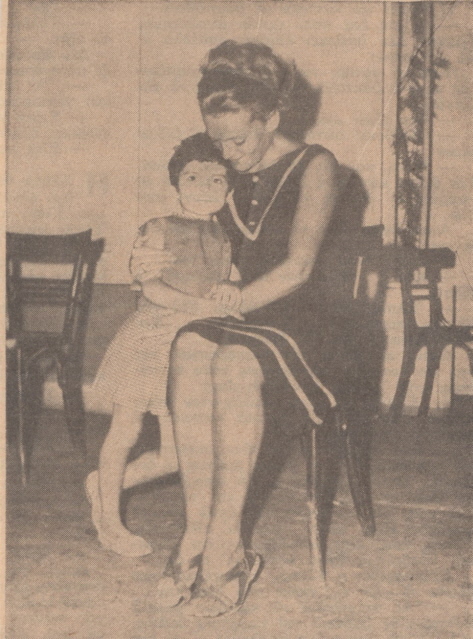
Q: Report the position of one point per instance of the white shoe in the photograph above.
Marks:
(125, 544)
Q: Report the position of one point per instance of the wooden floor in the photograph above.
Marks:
(409, 582)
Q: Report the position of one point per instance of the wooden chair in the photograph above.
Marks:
(63, 346)
(437, 334)
(345, 434)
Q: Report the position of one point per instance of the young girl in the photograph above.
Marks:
(134, 371)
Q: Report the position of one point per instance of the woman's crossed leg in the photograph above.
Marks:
(218, 420)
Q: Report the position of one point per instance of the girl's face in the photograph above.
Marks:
(203, 187)
(241, 138)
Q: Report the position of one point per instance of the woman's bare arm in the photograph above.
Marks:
(151, 238)
(314, 209)
(160, 293)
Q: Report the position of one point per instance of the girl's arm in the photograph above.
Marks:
(314, 209)
(162, 294)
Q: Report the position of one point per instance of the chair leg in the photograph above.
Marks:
(434, 355)
(71, 385)
(323, 470)
(407, 369)
(317, 556)
(28, 395)
(357, 456)
(21, 417)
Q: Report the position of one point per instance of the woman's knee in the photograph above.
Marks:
(236, 364)
(189, 346)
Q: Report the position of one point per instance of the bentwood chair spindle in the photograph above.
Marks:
(437, 334)
(61, 345)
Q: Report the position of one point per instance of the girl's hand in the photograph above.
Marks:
(227, 295)
(148, 263)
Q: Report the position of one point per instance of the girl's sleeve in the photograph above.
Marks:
(150, 234)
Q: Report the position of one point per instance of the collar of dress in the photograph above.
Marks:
(253, 235)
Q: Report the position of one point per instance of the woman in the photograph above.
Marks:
(283, 204)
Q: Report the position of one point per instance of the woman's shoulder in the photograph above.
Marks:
(306, 156)
(318, 151)
(318, 163)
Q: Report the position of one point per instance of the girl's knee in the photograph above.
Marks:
(125, 427)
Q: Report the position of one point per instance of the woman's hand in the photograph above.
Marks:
(212, 308)
(147, 263)
(226, 294)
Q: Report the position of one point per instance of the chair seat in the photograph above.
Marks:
(452, 334)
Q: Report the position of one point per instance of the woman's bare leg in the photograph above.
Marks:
(238, 422)
(191, 408)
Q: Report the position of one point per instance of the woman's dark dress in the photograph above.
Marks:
(317, 315)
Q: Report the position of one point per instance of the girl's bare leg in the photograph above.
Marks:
(124, 431)
(154, 463)
(149, 466)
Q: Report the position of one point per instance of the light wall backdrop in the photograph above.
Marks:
(99, 93)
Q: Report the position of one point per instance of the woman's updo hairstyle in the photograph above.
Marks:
(247, 75)
(197, 147)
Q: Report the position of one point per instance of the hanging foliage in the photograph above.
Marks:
(409, 137)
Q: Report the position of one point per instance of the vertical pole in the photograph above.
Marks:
(383, 110)
(428, 119)
(452, 373)
(398, 122)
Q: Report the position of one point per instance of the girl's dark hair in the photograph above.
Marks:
(196, 147)
(247, 75)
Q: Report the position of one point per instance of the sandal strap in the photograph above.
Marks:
(243, 571)
(207, 589)
(176, 570)
(242, 567)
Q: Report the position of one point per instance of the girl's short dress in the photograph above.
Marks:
(134, 370)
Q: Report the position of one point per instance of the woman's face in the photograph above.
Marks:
(241, 139)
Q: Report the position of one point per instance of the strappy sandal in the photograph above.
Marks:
(245, 571)
(176, 583)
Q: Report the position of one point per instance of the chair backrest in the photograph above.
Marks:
(367, 246)
(73, 293)
(338, 279)
(349, 342)
(409, 261)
